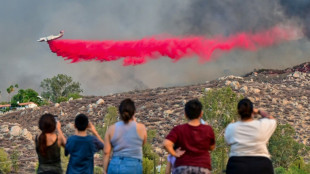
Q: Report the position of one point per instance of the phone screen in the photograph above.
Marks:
(56, 118)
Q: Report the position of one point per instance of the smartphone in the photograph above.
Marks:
(56, 118)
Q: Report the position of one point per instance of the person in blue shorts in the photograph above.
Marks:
(82, 147)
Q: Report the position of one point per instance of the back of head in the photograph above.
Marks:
(127, 109)
(193, 109)
(47, 124)
(81, 122)
(245, 108)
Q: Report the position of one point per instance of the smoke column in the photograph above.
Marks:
(140, 51)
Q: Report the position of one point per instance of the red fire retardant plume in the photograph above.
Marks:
(140, 51)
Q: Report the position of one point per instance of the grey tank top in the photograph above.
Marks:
(126, 141)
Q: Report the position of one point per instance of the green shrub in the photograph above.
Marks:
(98, 170)
(5, 162)
(64, 160)
(148, 166)
(109, 119)
(62, 99)
(279, 170)
(290, 150)
(74, 96)
(220, 109)
(14, 158)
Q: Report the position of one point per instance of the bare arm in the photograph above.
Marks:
(169, 147)
(92, 128)
(62, 139)
(107, 150)
(263, 113)
(142, 132)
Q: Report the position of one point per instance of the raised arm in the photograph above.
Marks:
(62, 140)
(92, 128)
(263, 113)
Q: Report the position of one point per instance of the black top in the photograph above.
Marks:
(51, 161)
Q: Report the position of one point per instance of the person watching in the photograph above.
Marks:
(48, 145)
(194, 141)
(82, 147)
(248, 140)
(126, 137)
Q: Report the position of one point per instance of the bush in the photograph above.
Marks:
(148, 166)
(109, 119)
(98, 170)
(64, 160)
(14, 158)
(74, 96)
(5, 162)
(290, 150)
(220, 109)
(62, 99)
(149, 156)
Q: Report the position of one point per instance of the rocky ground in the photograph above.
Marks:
(284, 93)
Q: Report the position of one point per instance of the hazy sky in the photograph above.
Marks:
(27, 62)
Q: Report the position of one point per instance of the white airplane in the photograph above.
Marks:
(51, 37)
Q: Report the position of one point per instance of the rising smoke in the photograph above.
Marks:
(26, 62)
(299, 9)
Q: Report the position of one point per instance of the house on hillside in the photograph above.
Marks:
(28, 105)
(4, 108)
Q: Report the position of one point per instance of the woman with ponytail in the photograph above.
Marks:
(248, 140)
(126, 137)
(48, 145)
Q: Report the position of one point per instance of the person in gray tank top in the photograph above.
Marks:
(126, 138)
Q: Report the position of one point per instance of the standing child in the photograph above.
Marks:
(194, 139)
(171, 159)
(82, 147)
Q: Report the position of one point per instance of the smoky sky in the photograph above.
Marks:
(299, 9)
(27, 62)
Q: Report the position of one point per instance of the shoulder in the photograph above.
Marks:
(231, 127)
(266, 122)
(71, 138)
(141, 126)
(111, 128)
(179, 128)
(207, 127)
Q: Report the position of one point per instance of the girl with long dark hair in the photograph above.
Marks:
(48, 145)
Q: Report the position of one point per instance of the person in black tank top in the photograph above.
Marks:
(48, 145)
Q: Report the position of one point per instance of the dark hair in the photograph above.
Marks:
(127, 109)
(81, 122)
(193, 109)
(47, 124)
(245, 108)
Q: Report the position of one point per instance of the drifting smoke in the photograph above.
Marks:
(27, 62)
(139, 51)
(299, 9)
